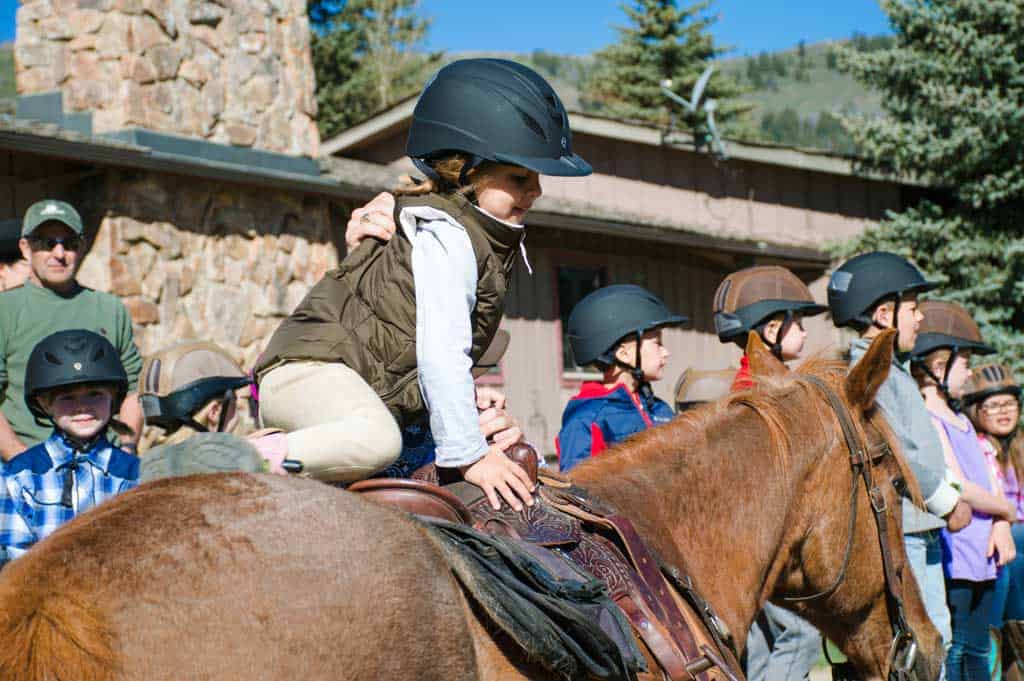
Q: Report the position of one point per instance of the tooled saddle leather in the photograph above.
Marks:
(676, 625)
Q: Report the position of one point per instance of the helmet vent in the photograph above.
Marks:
(533, 125)
(98, 355)
(52, 358)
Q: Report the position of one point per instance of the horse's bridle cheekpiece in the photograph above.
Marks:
(903, 650)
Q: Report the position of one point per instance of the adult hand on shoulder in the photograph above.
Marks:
(496, 474)
(1001, 543)
(959, 517)
(376, 219)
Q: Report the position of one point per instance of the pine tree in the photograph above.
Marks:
(953, 91)
(366, 58)
(662, 42)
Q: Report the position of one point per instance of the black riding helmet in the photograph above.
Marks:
(866, 280)
(493, 110)
(608, 316)
(72, 358)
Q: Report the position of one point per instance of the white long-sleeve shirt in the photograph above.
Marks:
(445, 272)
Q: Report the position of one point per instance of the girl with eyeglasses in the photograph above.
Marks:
(992, 402)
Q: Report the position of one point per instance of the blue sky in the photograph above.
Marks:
(580, 26)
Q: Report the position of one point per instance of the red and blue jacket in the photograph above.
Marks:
(598, 417)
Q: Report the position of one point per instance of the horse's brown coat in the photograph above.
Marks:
(257, 577)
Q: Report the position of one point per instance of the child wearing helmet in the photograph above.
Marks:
(388, 339)
(617, 329)
(992, 402)
(75, 380)
(769, 300)
(971, 557)
(189, 397)
(772, 302)
(870, 293)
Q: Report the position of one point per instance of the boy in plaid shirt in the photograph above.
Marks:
(76, 381)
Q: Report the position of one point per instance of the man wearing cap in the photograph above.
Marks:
(52, 300)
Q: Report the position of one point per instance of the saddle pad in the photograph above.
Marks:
(560, 616)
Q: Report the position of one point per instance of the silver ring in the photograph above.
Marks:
(365, 217)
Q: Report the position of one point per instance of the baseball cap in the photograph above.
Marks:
(51, 209)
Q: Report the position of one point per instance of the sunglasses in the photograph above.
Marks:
(48, 243)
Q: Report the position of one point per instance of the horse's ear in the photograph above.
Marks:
(868, 375)
(762, 361)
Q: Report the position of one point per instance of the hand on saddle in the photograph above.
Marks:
(496, 474)
(1000, 542)
(375, 219)
(959, 517)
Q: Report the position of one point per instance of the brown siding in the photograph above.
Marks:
(734, 199)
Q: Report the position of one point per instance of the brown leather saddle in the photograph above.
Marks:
(678, 627)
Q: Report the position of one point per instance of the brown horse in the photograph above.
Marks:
(257, 577)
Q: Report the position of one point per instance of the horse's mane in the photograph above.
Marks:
(771, 400)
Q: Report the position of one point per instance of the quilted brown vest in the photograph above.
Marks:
(363, 314)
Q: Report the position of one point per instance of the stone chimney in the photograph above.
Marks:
(236, 72)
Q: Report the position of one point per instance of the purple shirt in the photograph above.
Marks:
(1007, 477)
(963, 552)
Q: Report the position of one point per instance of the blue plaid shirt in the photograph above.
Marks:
(33, 499)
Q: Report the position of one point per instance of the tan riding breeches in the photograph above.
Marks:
(337, 425)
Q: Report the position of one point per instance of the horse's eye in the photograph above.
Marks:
(900, 485)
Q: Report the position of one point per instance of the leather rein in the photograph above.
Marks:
(903, 649)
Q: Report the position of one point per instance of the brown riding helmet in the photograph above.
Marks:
(990, 379)
(747, 298)
(947, 325)
(696, 386)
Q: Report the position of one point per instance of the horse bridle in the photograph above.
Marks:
(903, 649)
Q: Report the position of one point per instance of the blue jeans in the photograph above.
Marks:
(1008, 602)
(924, 554)
(970, 604)
(781, 646)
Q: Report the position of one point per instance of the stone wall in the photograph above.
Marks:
(232, 71)
(194, 260)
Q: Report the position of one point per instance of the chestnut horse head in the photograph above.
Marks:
(765, 495)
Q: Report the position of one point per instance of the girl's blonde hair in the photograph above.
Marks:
(449, 168)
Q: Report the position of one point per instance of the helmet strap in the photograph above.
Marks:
(473, 161)
(943, 383)
(787, 322)
(226, 403)
(643, 386)
(427, 170)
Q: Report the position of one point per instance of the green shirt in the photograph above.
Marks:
(30, 313)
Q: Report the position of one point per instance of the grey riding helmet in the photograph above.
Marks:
(494, 110)
(608, 315)
(866, 280)
(72, 358)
